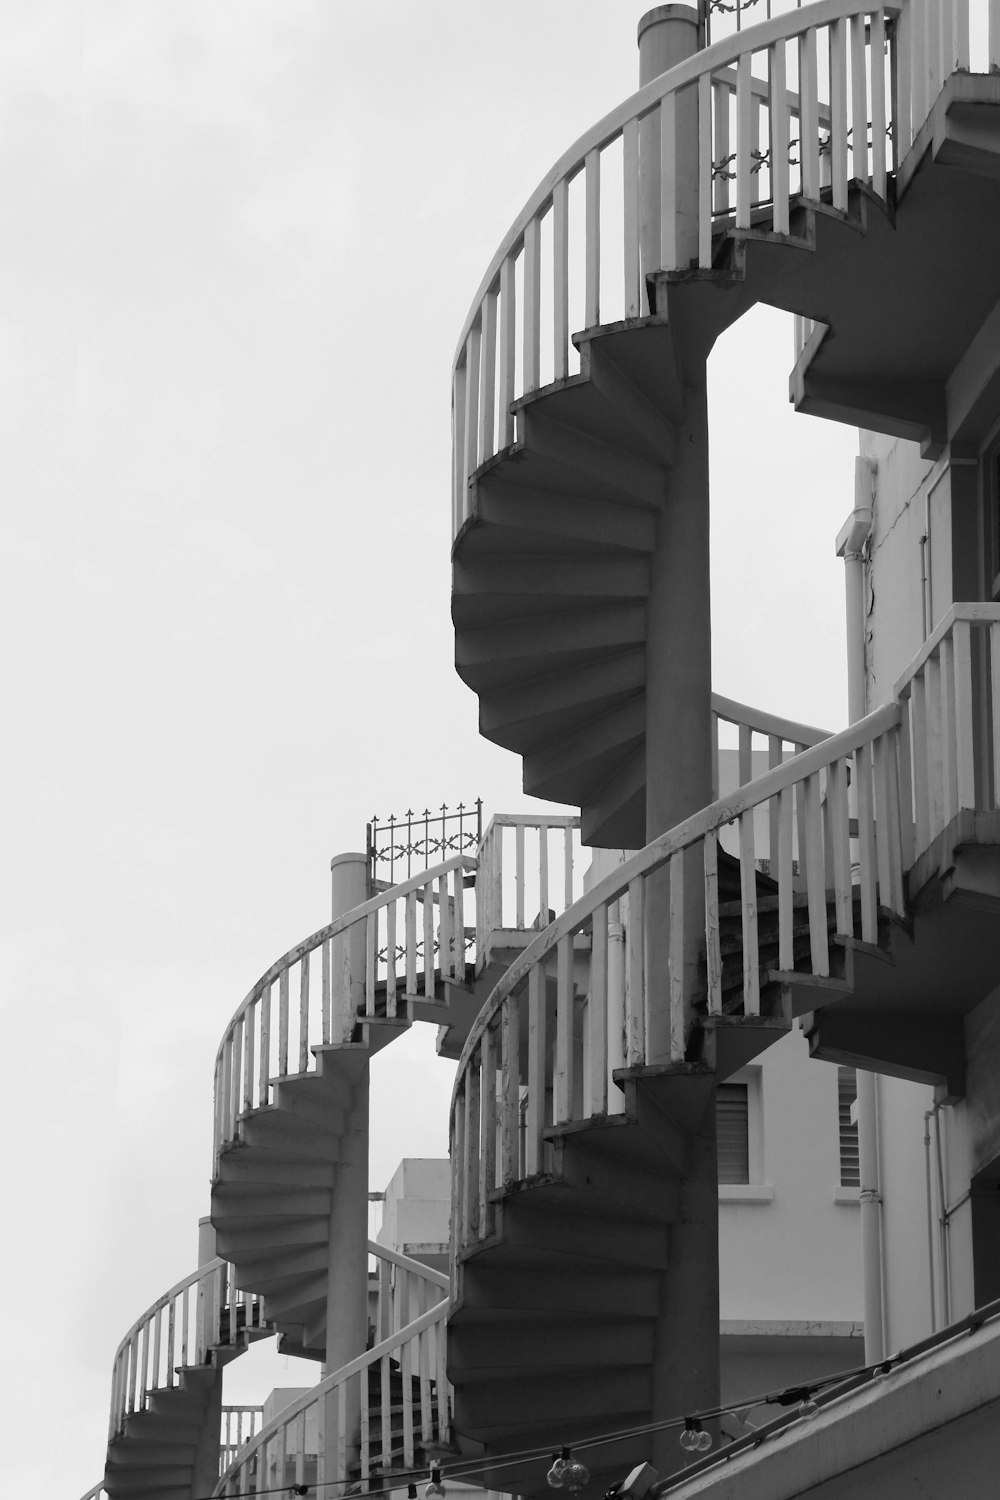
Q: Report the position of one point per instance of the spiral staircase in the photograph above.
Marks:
(848, 885)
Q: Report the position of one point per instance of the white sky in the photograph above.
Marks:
(238, 239)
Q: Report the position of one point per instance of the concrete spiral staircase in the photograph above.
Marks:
(576, 1170)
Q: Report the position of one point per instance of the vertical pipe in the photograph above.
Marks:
(850, 543)
(930, 1218)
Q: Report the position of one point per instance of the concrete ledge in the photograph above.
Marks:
(745, 1192)
(929, 1428)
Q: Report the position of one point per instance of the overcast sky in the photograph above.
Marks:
(238, 239)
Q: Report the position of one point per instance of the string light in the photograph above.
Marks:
(802, 1395)
(554, 1478)
(435, 1490)
(567, 1472)
(694, 1438)
(575, 1476)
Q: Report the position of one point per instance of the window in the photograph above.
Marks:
(732, 1124)
(847, 1092)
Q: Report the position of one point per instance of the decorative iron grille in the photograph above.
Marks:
(400, 847)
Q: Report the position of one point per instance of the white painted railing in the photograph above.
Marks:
(951, 699)
(574, 1047)
(757, 730)
(366, 964)
(935, 39)
(334, 1433)
(203, 1312)
(527, 867)
(97, 1493)
(546, 1046)
(239, 1425)
(813, 116)
(406, 1289)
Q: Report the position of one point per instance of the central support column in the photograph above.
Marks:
(347, 1265)
(679, 773)
(679, 781)
(205, 1471)
(678, 704)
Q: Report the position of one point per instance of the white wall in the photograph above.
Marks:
(417, 1205)
(791, 1249)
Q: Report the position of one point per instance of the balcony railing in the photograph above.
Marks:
(792, 108)
(373, 1415)
(403, 943)
(812, 116)
(912, 766)
(203, 1312)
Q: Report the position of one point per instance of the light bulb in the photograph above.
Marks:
(704, 1442)
(435, 1490)
(575, 1475)
(808, 1407)
(555, 1476)
(689, 1436)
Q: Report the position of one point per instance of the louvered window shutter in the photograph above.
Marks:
(847, 1092)
(732, 1127)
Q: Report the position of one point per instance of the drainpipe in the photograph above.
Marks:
(850, 545)
(930, 1218)
(616, 1006)
(945, 1221)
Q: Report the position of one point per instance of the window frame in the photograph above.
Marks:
(757, 1189)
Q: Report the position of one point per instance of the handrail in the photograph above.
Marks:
(656, 853)
(178, 1330)
(409, 1342)
(362, 960)
(673, 952)
(758, 721)
(342, 924)
(719, 55)
(974, 613)
(407, 1263)
(715, 120)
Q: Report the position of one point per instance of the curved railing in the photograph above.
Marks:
(504, 1103)
(781, 737)
(336, 1432)
(203, 1312)
(97, 1493)
(845, 819)
(710, 141)
(370, 960)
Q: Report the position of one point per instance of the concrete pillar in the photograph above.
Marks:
(347, 1263)
(206, 1241)
(205, 1474)
(686, 1358)
(349, 888)
(667, 36)
(850, 544)
(679, 781)
(206, 1461)
(678, 701)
